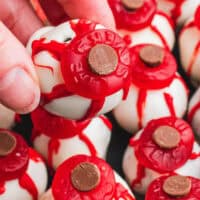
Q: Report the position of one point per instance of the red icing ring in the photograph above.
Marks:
(162, 160)
(55, 126)
(79, 78)
(14, 164)
(152, 77)
(155, 191)
(63, 189)
(197, 17)
(134, 20)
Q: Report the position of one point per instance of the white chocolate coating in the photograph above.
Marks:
(37, 172)
(155, 105)
(195, 119)
(148, 36)
(130, 163)
(187, 10)
(48, 69)
(49, 196)
(7, 117)
(189, 47)
(98, 133)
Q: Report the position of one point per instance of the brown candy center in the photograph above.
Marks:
(177, 186)
(102, 59)
(166, 137)
(85, 176)
(132, 4)
(7, 143)
(151, 55)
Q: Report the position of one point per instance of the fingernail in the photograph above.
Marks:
(18, 91)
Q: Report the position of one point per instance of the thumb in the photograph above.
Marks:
(19, 88)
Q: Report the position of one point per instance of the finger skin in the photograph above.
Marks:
(98, 11)
(19, 88)
(54, 11)
(20, 18)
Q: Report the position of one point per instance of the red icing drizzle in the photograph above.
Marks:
(53, 147)
(197, 17)
(2, 188)
(177, 9)
(34, 156)
(141, 101)
(152, 156)
(139, 177)
(194, 156)
(193, 58)
(134, 20)
(169, 102)
(27, 183)
(156, 31)
(106, 122)
(193, 111)
(122, 193)
(62, 188)
(155, 191)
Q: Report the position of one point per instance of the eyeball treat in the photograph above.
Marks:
(157, 90)
(139, 23)
(83, 68)
(23, 174)
(165, 146)
(57, 138)
(84, 177)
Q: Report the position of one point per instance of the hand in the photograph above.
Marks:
(19, 87)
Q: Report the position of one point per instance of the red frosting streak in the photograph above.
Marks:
(140, 106)
(95, 107)
(58, 91)
(34, 156)
(53, 147)
(2, 187)
(106, 122)
(169, 102)
(139, 177)
(160, 35)
(27, 183)
(89, 144)
(194, 156)
(193, 111)
(177, 9)
(183, 83)
(193, 58)
(197, 17)
(122, 193)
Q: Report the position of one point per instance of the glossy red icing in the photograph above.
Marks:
(194, 156)
(34, 156)
(147, 77)
(197, 17)
(177, 9)
(193, 111)
(155, 191)
(2, 188)
(121, 193)
(140, 175)
(27, 183)
(134, 20)
(76, 71)
(170, 104)
(142, 95)
(62, 188)
(106, 122)
(13, 166)
(162, 160)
